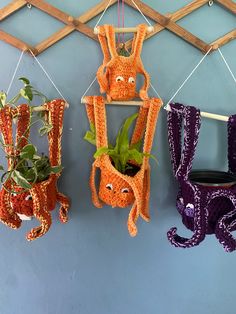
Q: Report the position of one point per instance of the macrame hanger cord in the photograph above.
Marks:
(103, 14)
(48, 76)
(227, 65)
(188, 77)
(16, 69)
(142, 14)
(123, 3)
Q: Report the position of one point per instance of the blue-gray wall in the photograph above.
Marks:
(91, 265)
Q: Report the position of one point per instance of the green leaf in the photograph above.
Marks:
(28, 151)
(137, 145)
(20, 180)
(26, 93)
(24, 80)
(89, 137)
(45, 129)
(3, 98)
(56, 169)
(135, 155)
(1, 167)
(101, 151)
(151, 156)
(124, 134)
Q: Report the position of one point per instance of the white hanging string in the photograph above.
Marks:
(48, 76)
(14, 74)
(88, 88)
(142, 13)
(227, 65)
(156, 92)
(103, 13)
(188, 77)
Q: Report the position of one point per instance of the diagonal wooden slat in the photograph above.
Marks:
(79, 24)
(182, 12)
(51, 10)
(11, 8)
(170, 25)
(14, 41)
(224, 39)
(228, 4)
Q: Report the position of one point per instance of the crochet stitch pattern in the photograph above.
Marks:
(204, 210)
(42, 196)
(117, 189)
(117, 75)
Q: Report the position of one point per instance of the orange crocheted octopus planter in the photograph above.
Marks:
(117, 75)
(117, 189)
(43, 196)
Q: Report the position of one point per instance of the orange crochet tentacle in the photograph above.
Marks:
(111, 40)
(23, 123)
(90, 109)
(140, 125)
(7, 215)
(132, 219)
(6, 130)
(95, 197)
(54, 116)
(102, 75)
(39, 205)
(104, 44)
(139, 38)
(143, 93)
(144, 212)
(155, 106)
(65, 204)
(100, 122)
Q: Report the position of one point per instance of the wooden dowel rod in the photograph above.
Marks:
(214, 116)
(120, 103)
(126, 30)
(208, 115)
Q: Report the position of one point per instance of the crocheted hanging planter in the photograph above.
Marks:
(206, 199)
(132, 187)
(18, 196)
(212, 178)
(117, 75)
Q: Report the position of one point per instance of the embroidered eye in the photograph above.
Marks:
(109, 186)
(131, 80)
(13, 194)
(28, 198)
(119, 79)
(125, 190)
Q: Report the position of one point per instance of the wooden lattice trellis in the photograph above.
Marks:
(167, 21)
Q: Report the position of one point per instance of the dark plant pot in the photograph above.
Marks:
(212, 178)
(132, 171)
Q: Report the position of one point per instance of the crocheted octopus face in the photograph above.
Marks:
(22, 203)
(115, 191)
(122, 79)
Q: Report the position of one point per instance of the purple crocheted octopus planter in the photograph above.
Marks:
(206, 206)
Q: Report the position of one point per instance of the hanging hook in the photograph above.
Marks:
(29, 5)
(210, 3)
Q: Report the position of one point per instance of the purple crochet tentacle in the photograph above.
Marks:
(182, 165)
(227, 223)
(232, 144)
(174, 122)
(182, 162)
(200, 225)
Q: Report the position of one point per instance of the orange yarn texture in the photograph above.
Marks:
(42, 196)
(117, 189)
(117, 75)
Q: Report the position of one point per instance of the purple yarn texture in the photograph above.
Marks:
(204, 210)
